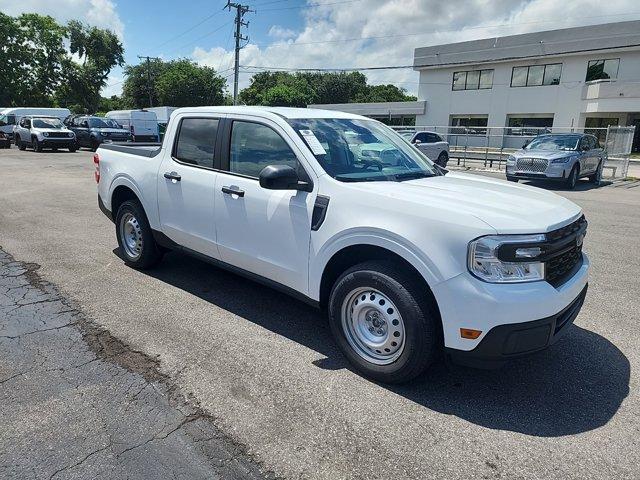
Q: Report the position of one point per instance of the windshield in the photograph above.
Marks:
(111, 123)
(47, 123)
(99, 123)
(566, 142)
(353, 150)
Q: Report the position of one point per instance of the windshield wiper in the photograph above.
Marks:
(344, 178)
(412, 175)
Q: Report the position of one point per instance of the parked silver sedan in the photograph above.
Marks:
(432, 145)
(560, 157)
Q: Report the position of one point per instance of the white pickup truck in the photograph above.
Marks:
(408, 259)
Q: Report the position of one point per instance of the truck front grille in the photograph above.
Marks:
(58, 135)
(561, 264)
(535, 165)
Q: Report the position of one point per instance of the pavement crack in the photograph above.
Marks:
(77, 464)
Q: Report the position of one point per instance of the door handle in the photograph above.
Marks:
(233, 191)
(172, 176)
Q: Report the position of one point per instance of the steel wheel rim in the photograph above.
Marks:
(131, 236)
(373, 326)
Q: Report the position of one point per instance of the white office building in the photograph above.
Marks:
(575, 77)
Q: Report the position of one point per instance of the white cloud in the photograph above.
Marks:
(101, 13)
(407, 24)
(276, 31)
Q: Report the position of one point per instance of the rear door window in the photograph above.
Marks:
(196, 141)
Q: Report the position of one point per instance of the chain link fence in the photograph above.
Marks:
(489, 147)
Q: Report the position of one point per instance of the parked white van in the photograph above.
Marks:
(9, 117)
(142, 124)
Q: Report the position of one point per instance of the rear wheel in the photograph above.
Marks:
(137, 245)
(383, 322)
(572, 179)
(443, 159)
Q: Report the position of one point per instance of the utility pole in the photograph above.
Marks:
(148, 59)
(241, 10)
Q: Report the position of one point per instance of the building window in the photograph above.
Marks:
(536, 75)
(469, 125)
(602, 69)
(523, 125)
(597, 126)
(473, 80)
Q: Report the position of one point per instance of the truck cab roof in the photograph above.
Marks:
(283, 112)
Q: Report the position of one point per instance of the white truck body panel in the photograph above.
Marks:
(428, 222)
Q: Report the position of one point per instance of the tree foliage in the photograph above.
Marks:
(178, 83)
(304, 88)
(36, 67)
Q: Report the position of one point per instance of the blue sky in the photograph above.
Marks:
(317, 33)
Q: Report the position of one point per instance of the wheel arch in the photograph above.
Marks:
(121, 193)
(354, 254)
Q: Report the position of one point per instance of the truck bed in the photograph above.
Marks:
(139, 149)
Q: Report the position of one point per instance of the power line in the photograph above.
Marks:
(312, 5)
(189, 29)
(324, 69)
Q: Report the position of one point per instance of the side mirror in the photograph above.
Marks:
(526, 144)
(281, 177)
(417, 142)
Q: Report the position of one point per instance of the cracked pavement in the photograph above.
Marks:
(266, 370)
(77, 403)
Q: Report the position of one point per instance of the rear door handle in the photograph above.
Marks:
(172, 176)
(233, 191)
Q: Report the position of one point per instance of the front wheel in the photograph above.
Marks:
(443, 159)
(383, 322)
(20, 144)
(37, 146)
(513, 179)
(572, 179)
(73, 148)
(137, 245)
(596, 177)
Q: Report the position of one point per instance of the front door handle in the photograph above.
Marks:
(172, 176)
(233, 191)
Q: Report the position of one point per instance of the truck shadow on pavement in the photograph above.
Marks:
(575, 386)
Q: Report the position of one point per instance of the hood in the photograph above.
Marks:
(111, 130)
(51, 130)
(548, 154)
(507, 207)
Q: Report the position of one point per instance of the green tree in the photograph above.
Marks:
(301, 89)
(99, 51)
(178, 83)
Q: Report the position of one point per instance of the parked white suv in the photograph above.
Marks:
(41, 132)
(432, 145)
(407, 258)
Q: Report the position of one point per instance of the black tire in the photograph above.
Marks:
(20, 144)
(149, 253)
(443, 159)
(597, 176)
(422, 332)
(513, 179)
(73, 148)
(37, 146)
(572, 179)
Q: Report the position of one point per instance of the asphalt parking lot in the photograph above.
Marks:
(264, 374)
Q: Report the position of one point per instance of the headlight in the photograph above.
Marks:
(511, 160)
(45, 134)
(485, 264)
(561, 160)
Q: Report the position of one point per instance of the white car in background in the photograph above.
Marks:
(431, 144)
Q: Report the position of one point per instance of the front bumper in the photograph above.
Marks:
(555, 171)
(57, 142)
(505, 342)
